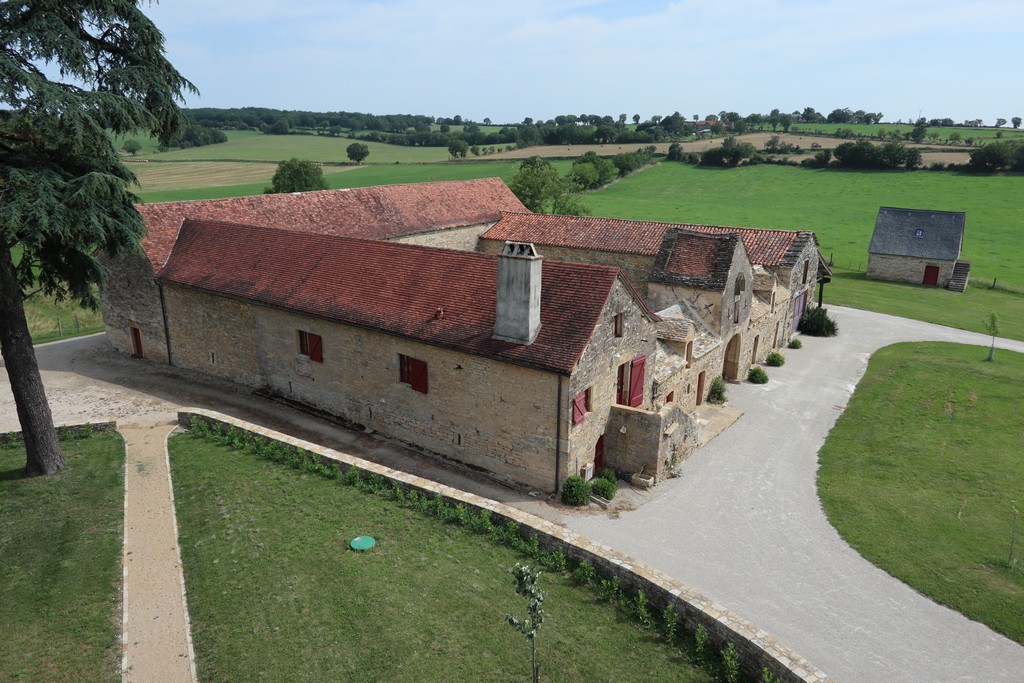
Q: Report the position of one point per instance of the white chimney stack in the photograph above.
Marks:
(518, 312)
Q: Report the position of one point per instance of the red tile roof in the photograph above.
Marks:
(392, 287)
(770, 248)
(370, 212)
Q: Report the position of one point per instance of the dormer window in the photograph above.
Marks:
(919, 232)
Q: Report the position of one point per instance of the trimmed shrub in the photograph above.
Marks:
(609, 474)
(795, 343)
(604, 488)
(757, 376)
(817, 323)
(775, 360)
(716, 393)
(575, 491)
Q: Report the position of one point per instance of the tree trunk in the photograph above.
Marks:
(41, 445)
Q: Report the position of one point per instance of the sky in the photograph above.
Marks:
(540, 58)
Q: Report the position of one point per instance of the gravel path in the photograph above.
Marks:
(743, 525)
(156, 637)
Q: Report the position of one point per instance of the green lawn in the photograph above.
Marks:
(841, 207)
(365, 177)
(274, 594)
(252, 146)
(987, 134)
(60, 565)
(921, 472)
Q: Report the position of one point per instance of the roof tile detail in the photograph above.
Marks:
(371, 212)
(766, 247)
(391, 287)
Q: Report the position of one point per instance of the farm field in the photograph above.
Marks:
(921, 471)
(268, 571)
(61, 564)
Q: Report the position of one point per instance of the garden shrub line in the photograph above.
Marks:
(554, 545)
(73, 431)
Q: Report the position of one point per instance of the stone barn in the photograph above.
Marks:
(920, 247)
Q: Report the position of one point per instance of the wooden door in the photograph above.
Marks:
(700, 388)
(599, 454)
(136, 341)
(931, 276)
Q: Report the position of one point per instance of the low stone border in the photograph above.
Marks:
(758, 649)
(76, 430)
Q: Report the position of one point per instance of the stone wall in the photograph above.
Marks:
(906, 269)
(62, 429)
(649, 443)
(598, 370)
(130, 299)
(462, 238)
(495, 417)
(758, 650)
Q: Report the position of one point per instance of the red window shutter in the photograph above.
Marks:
(579, 407)
(316, 347)
(418, 375)
(636, 381)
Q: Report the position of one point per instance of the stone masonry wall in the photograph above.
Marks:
(651, 443)
(758, 650)
(906, 269)
(495, 417)
(461, 239)
(129, 299)
(598, 370)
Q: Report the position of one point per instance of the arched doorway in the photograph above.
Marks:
(731, 369)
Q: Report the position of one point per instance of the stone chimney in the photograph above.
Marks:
(518, 312)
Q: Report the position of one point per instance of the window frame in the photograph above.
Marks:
(618, 325)
(414, 372)
(311, 345)
(581, 406)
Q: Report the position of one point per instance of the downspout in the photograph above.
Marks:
(167, 331)
(558, 434)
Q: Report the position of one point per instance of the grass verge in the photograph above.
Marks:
(60, 564)
(268, 571)
(920, 473)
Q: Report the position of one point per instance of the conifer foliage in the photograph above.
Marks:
(71, 72)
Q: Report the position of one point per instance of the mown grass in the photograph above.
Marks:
(367, 176)
(987, 134)
(921, 472)
(60, 569)
(268, 571)
(841, 207)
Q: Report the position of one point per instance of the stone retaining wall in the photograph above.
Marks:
(757, 649)
(77, 429)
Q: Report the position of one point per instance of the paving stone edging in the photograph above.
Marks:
(757, 648)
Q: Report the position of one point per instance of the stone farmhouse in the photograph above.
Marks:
(742, 291)
(920, 247)
(414, 310)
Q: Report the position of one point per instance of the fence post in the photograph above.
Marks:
(60, 332)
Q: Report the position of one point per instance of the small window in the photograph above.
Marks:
(311, 345)
(671, 398)
(413, 371)
(919, 232)
(580, 406)
(618, 325)
(736, 311)
(689, 354)
(807, 267)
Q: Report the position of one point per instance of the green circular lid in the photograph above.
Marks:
(362, 543)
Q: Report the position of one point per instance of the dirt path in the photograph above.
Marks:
(157, 643)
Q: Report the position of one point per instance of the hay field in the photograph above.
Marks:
(161, 177)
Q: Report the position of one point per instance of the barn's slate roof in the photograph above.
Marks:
(395, 288)
(380, 212)
(695, 260)
(942, 233)
(768, 247)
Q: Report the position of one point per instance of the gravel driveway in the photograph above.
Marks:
(742, 525)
